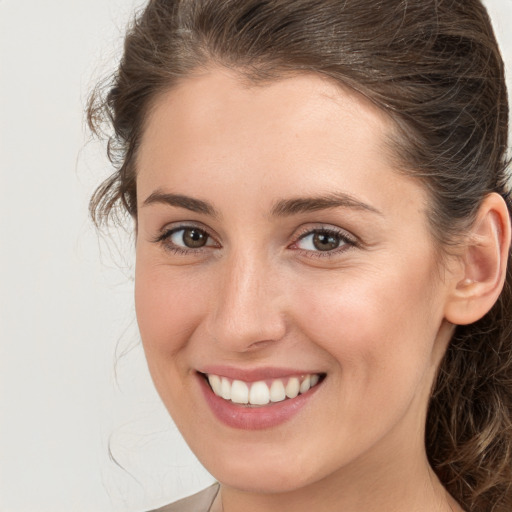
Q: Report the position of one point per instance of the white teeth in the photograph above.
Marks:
(277, 392)
(225, 389)
(239, 392)
(293, 387)
(259, 393)
(214, 381)
(306, 384)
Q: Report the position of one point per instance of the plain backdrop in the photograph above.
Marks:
(78, 431)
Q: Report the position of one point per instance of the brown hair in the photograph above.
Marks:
(435, 68)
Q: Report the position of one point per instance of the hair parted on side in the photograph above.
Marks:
(434, 66)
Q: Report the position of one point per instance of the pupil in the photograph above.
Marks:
(194, 238)
(325, 242)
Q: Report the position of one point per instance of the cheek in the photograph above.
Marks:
(168, 310)
(168, 313)
(380, 329)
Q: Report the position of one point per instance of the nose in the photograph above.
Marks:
(248, 311)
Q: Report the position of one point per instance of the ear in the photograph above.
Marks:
(479, 281)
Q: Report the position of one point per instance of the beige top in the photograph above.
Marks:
(203, 501)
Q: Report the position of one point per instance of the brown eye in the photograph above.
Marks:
(186, 239)
(192, 238)
(326, 241)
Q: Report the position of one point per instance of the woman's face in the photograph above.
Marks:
(277, 247)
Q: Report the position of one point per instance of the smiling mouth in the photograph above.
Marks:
(263, 392)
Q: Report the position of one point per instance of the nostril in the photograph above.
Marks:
(258, 345)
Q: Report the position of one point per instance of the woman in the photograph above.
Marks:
(320, 200)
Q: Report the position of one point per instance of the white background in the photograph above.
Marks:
(66, 305)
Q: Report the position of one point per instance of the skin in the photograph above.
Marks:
(370, 314)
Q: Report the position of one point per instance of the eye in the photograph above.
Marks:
(191, 238)
(324, 240)
(186, 239)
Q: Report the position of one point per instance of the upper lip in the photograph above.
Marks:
(254, 374)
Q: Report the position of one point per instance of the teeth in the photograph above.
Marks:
(225, 389)
(292, 388)
(239, 392)
(259, 393)
(215, 384)
(306, 384)
(277, 392)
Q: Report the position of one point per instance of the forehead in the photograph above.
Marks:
(219, 95)
(296, 136)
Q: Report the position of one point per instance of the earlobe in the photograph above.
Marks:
(484, 263)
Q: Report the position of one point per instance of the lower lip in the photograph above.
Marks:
(254, 418)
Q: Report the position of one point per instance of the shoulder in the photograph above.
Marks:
(200, 502)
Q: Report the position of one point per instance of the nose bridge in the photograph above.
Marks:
(249, 303)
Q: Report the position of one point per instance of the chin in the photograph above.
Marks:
(261, 480)
(255, 469)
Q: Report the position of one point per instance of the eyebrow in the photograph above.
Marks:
(312, 204)
(181, 201)
(283, 208)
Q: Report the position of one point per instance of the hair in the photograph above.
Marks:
(434, 66)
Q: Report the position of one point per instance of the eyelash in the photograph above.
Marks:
(165, 240)
(347, 241)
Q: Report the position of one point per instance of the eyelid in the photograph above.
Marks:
(347, 238)
(164, 235)
(185, 224)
